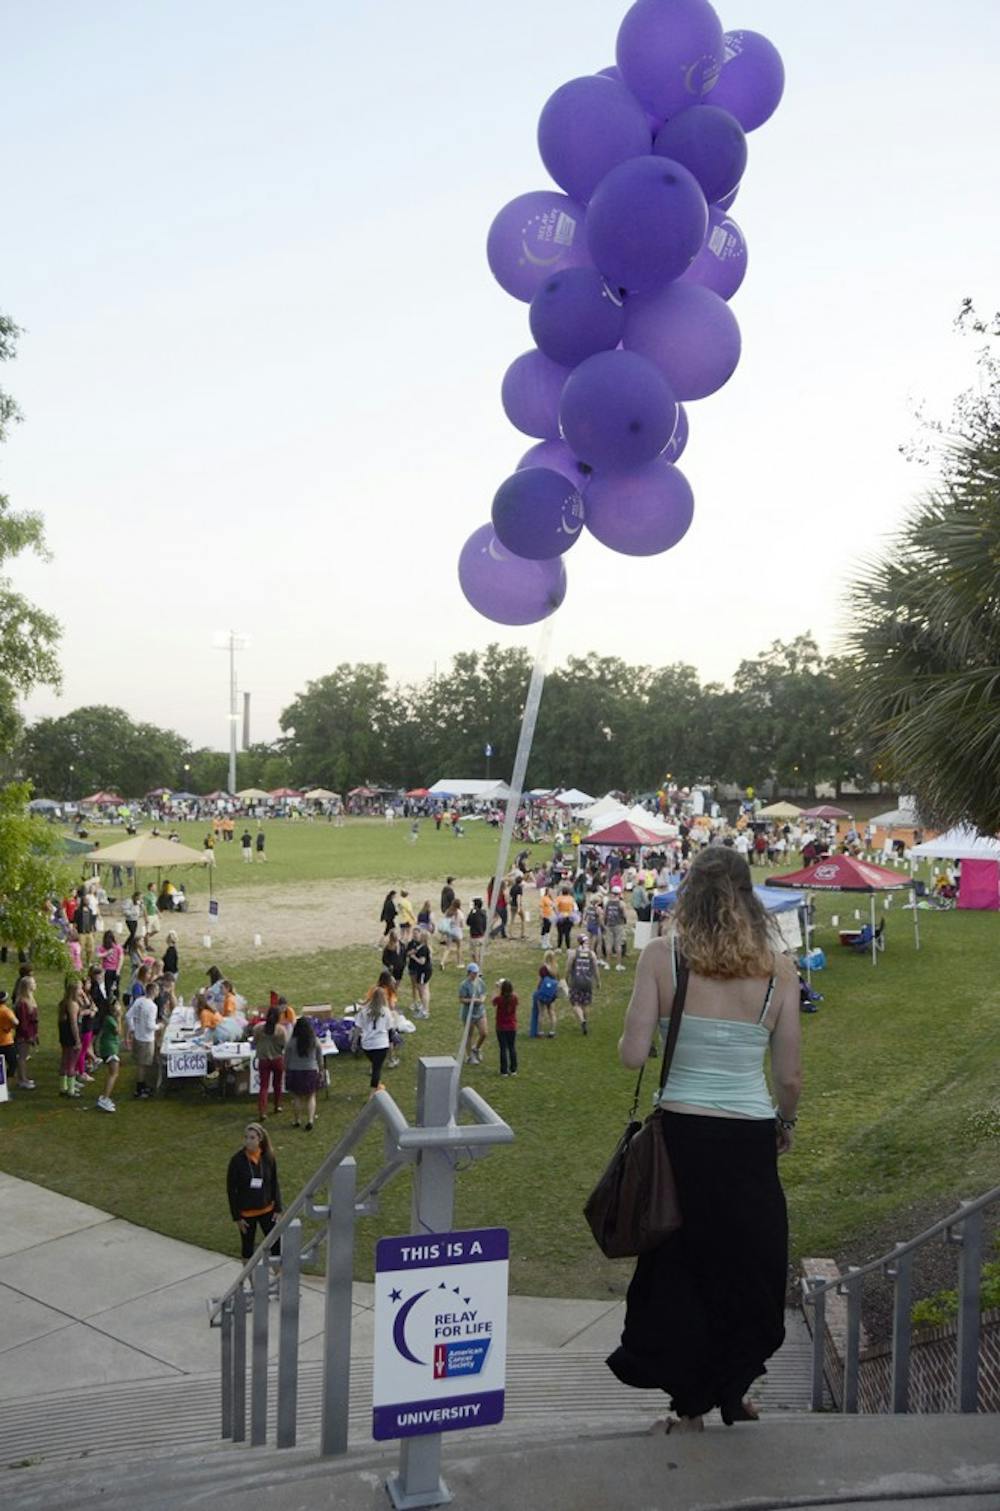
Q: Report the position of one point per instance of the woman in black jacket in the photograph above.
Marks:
(388, 913)
(252, 1186)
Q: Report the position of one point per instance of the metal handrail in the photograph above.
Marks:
(857, 1272)
(410, 1141)
(963, 1228)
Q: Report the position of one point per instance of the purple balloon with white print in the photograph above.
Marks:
(643, 512)
(721, 265)
(537, 513)
(557, 456)
(506, 588)
(575, 314)
(617, 411)
(752, 80)
(690, 334)
(588, 127)
(674, 449)
(670, 53)
(710, 143)
(646, 223)
(534, 236)
(530, 394)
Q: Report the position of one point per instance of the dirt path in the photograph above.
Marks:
(298, 917)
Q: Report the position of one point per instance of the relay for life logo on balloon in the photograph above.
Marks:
(628, 275)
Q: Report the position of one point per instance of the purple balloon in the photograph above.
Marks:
(588, 127)
(557, 457)
(752, 80)
(728, 200)
(721, 265)
(670, 53)
(710, 143)
(643, 512)
(646, 223)
(674, 449)
(690, 334)
(530, 394)
(504, 587)
(575, 314)
(617, 411)
(537, 514)
(533, 236)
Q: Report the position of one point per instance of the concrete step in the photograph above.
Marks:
(820, 1462)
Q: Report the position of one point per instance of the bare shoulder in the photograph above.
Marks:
(785, 970)
(658, 949)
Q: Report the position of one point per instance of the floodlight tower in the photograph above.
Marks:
(232, 641)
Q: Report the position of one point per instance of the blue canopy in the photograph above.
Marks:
(773, 900)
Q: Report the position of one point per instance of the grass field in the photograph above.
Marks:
(900, 1110)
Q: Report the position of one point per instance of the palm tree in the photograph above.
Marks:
(925, 638)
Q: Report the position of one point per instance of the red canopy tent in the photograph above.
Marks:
(825, 810)
(280, 792)
(102, 800)
(842, 873)
(632, 836)
(419, 792)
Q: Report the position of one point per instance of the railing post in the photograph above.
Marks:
(226, 1353)
(258, 1367)
(853, 1349)
(288, 1335)
(339, 1301)
(970, 1237)
(240, 1366)
(419, 1481)
(818, 1304)
(901, 1273)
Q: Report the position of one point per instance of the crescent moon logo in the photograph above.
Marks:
(399, 1328)
(570, 529)
(540, 262)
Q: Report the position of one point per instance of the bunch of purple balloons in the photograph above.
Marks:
(627, 275)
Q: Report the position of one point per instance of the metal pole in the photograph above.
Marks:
(226, 1340)
(240, 1366)
(874, 940)
(916, 918)
(258, 1367)
(232, 711)
(337, 1319)
(818, 1341)
(969, 1295)
(851, 1357)
(901, 1272)
(288, 1336)
(419, 1481)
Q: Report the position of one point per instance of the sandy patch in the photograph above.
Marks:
(298, 917)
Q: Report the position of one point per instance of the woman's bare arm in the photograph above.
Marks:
(652, 996)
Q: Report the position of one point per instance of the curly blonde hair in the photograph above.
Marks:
(721, 926)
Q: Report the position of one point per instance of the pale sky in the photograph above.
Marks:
(263, 348)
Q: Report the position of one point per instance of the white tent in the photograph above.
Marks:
(607, 804)
(470, 787)
(572, 797)
(902, 817)
(960, 843)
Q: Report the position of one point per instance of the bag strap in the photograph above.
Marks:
(681, 974)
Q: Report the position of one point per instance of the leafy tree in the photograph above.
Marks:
(28, 637)
(100, 747)
(788, 700)
(338, 729)
(925, 632)
(32, 871)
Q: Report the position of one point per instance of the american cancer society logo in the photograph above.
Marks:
(442, 1327)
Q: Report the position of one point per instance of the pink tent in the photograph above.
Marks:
(979, 886)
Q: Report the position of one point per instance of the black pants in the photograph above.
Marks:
(248, 1239)
(507, 1038)
(377, 1059)
(564, 932)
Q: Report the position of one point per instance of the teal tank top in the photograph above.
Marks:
(719, 1063)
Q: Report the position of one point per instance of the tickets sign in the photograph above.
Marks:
(187, 1062)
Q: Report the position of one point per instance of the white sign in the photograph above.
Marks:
(440, 1332)
(4, 1093)
(187, 1062)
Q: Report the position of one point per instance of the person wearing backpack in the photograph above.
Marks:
(614, 924)
(544, 997)
(583, 975)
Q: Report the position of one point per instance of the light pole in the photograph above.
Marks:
(233, 642)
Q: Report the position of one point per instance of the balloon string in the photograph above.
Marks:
(524, 744)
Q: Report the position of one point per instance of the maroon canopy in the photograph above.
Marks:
(842, 873)
(825, 810)
(625, 833)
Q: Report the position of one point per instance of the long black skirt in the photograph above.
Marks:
(707, 1308)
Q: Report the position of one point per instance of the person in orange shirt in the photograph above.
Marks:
(8, 1049)
(228, 999)
(547, 911)
(565, 911)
